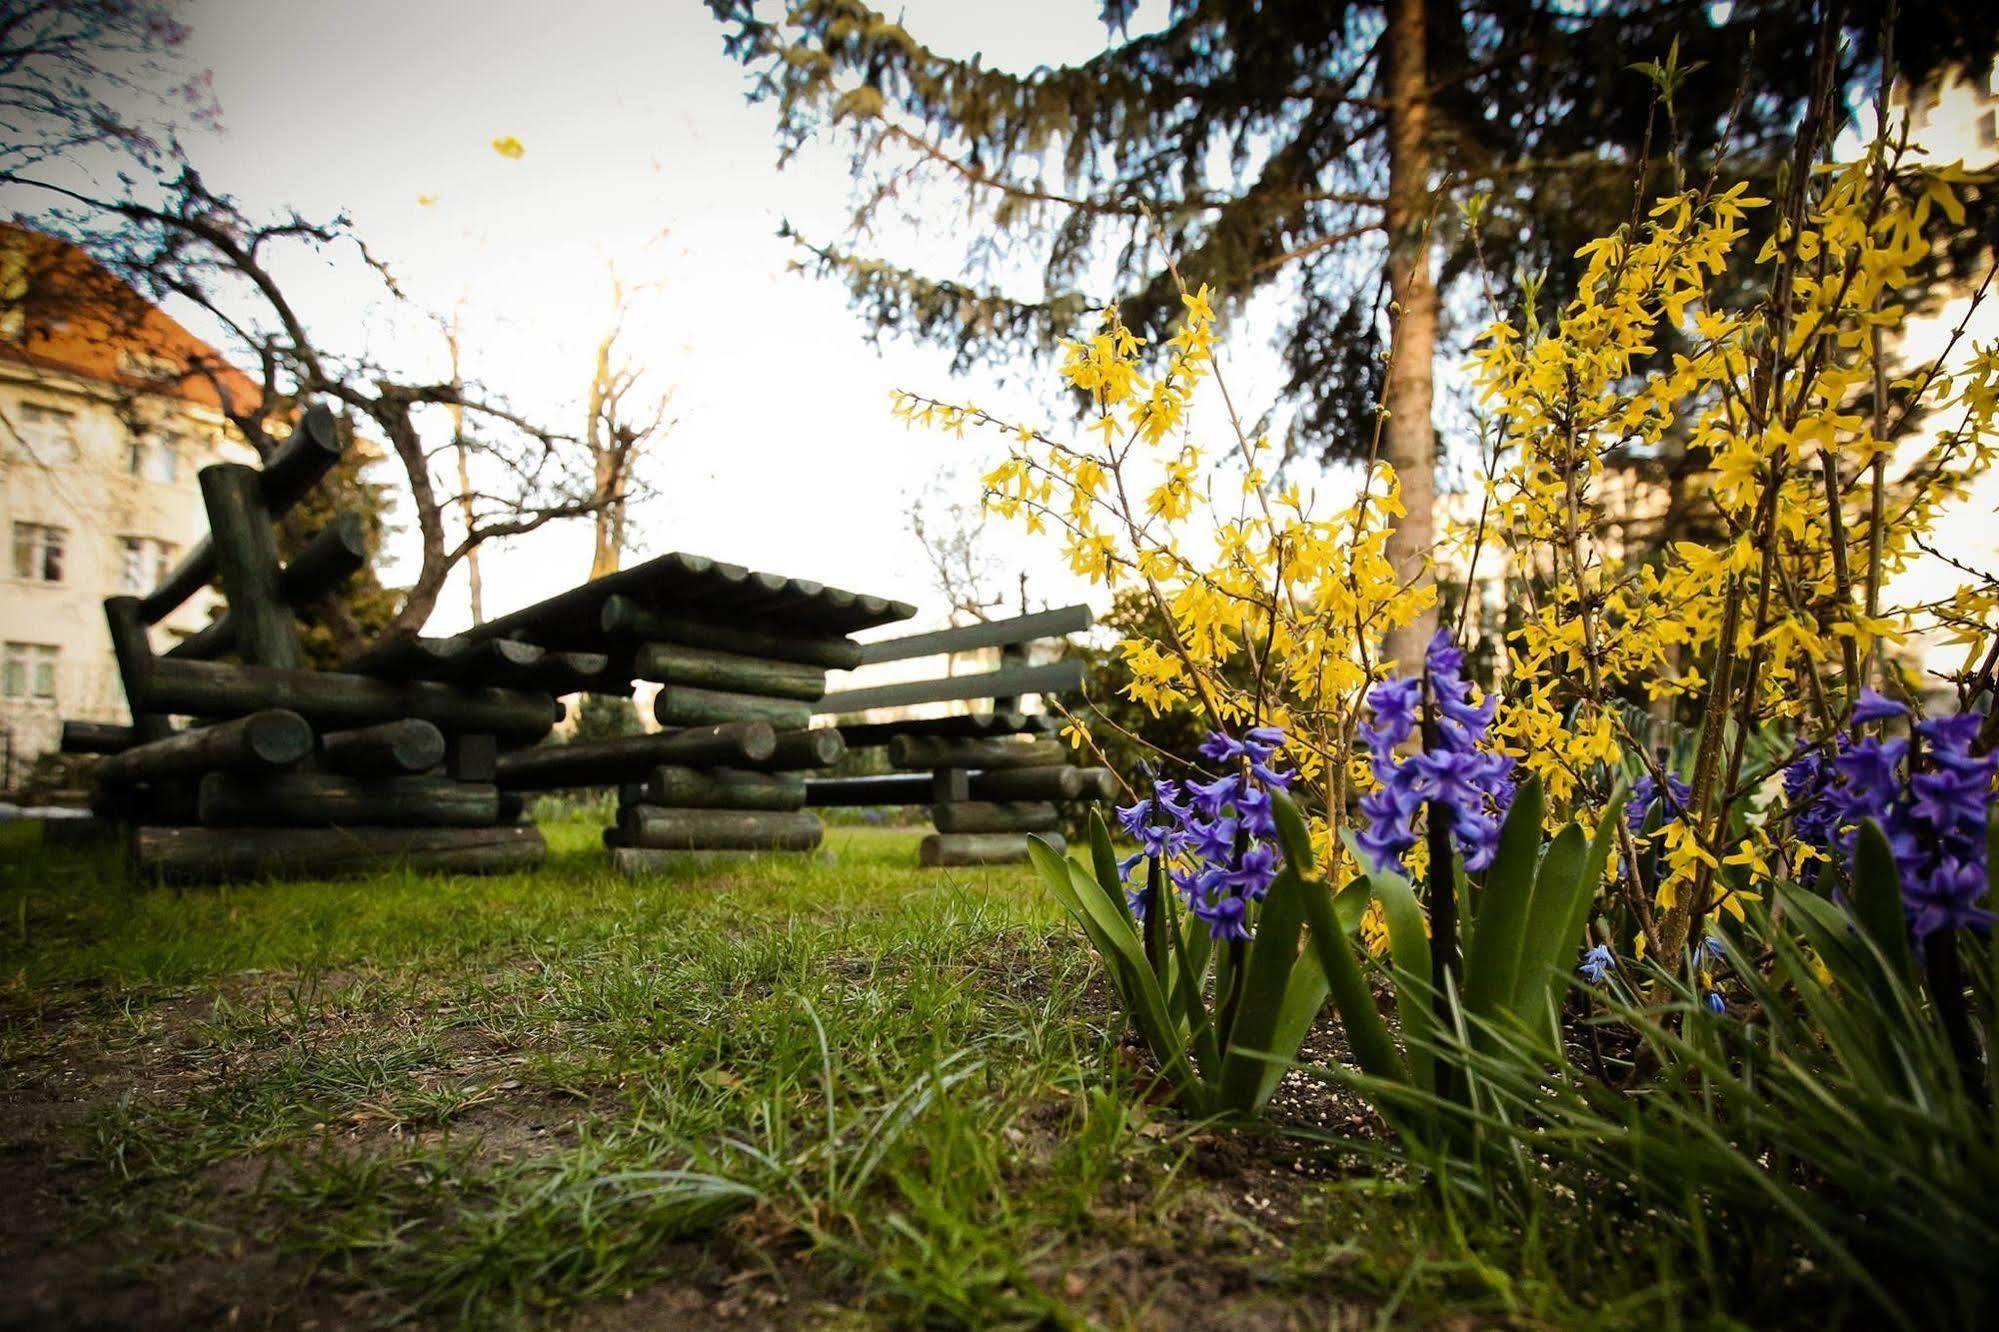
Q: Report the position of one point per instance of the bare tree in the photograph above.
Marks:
(200, 246)
(948, 529)
(617, 432)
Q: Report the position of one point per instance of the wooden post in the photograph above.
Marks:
(262, 740)
(246, 555)
(958, 849)
(983, 816)
(384, 750)
(219, 855)
(328, 560)
(680, 706)
(718, 829)
(321, 800)
(724, 788)
(133, 651)
(677, 665)
(472, 756)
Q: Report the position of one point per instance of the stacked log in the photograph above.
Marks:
(291, 770)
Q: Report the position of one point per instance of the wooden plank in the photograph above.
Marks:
(385, 749)
(261, 741)
(987, 816)
(723, 788)
(677, 705)
(306, 455)
(1053, 678)
(633, 757)
(622, 619)
(679, 665)
(989, 633)
(221, 855)
(665, 829)
(936, 752)
(246, 557)
(217, 689)
(943, 850)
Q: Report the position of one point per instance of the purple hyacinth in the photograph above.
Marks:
(1456, 772)
(1645, 794)
(1931, 797)
(1215, 838)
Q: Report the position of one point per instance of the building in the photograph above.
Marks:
(108, 408)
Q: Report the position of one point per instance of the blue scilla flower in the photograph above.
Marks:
(1457, 775)
(1714, 948)
(1596, 963)
(1716, 1004)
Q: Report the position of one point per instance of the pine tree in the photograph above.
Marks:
(1299, 143)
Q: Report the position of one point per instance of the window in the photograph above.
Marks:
(49, 433)
(155, 457)
(28, 670)
(38, 552)
(143, 562)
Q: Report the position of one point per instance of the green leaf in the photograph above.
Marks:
(1117, 943)
(1273, 956)
(1104, 860)
(1877, 900)
(1367, 1034)
(1409, 944)
(1492, 963)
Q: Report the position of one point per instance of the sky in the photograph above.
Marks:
(640, 151)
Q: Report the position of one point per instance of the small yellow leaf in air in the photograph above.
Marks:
(509, 148)
(425, 200)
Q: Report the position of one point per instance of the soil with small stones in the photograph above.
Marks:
(74, 1261)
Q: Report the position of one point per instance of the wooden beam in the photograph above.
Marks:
(987, 816)
(677, 705)
(940, 850)
(217, 689)
(927, 752)
(1053, 678)
(621, 619)
(261, 741)
(989, 633)
(246, 556)
(329, 800)
(676, 664)
(88, 737)
(385, 749)
(328, 560)
(723, 788)
(633, 757)
(718, 829)
(221, 855)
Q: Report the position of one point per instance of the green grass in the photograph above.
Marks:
(800, 1092)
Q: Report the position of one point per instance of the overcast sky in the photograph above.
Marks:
(640, 149)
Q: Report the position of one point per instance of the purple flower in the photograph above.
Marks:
(1872, 707)
(1455, 776)
(1645, 794)
(1596, 962)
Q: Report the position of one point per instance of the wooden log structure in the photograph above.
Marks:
(503, 662)
(1053, 678)
(328, 560)
(937, 752)
(941, 850)
(723, 788)
(262, 742)
(678, 666)
(987, 816)
(665, 829)
(324, 799)
(213, 855)
(992, 633)
(305, 456)
(678, 705)
(962, 726)
(218, 689)
(633, 757)
(88, 737)
(1060, 783)
(623, 619)
(385, 749)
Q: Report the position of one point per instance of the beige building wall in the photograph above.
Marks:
(92, 504)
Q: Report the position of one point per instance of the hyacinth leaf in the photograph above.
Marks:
(1350, 902)
(1104, 860)
(1492, 962)
(1117, 943)
(1266, 979)
(1544, 946)
(1569, 937)
(1367, 1034)
(1877, 899)
(1830, 933)
(1409, 944)
(1188, 1005)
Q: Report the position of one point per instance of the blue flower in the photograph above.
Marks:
(1715, 1003)
(1871, 707)
(1645, 794)
(1714, 948)
(1596, 962)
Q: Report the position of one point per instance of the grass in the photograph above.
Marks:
(841, 1092)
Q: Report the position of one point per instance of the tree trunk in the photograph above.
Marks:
(1409, 441)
